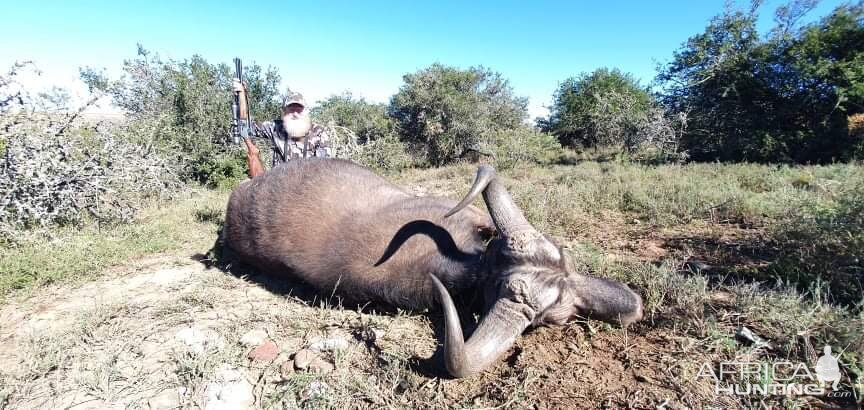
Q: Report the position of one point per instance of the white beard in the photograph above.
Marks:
(297, 127)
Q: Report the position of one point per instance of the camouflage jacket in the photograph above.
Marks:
(286, 149)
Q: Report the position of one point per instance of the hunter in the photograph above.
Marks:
(293, 136)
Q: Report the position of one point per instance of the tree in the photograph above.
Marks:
(785, 97)
(605, 107)
(187, 103)
(445, 111)
(366, 120)
(363, 132)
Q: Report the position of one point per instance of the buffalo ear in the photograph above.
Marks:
(607, 300)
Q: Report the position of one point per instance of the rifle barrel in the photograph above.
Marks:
(235, 106)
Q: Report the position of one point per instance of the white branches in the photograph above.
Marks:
(56, 170)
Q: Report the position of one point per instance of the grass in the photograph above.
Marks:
(779, 242)
(74, 254)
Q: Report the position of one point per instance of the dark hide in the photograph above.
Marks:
(342, 229)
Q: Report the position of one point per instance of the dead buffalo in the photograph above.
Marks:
(340, 228)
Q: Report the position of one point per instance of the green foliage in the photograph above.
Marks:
(366, 120)
(781, 98)
(387, 154)
(363, 132)
(520, 146)
(825, 242)
(188, 101)
(605, 107)
(221, 171)
(443, 112)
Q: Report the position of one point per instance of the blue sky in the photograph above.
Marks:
(324, 48)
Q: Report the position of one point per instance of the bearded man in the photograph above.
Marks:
(293, 136)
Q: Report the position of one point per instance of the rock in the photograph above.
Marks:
(330, 344)
(640, 377)
(747, 336)
(320, 366)
(93, 404)
(315, 390)
(200, 341)
(253, 338)
(229, 390)
(267, 352)
(697, 266)
(166, 399)
(302, 358)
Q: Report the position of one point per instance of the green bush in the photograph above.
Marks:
(443, 112)
(784, 97)
(223, 171)
(824, 241)
(363, 132)
(521, 146)
(604, 107)
(387, 154)
(366, 120)
(187, 106)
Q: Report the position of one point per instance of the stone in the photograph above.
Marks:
(253, 338)
(266, 352)
(200, 340)
(166, 399)
(302, 358)
(315, 390)
(320, 366)
(745, 335)
(229, 390)
(330, 344)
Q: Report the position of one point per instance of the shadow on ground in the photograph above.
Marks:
(222, 258)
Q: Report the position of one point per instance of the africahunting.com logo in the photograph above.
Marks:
(778, 378)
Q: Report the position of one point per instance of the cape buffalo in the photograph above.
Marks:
(342, 229)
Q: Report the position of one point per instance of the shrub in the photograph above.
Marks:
(188, 104)
(79, 174)
(363, 132)
(599, 108)
(825, 242)
(443, 112)
(521, 146)
(386, 154)
(784, 97)
(366, 120)
(58, 171)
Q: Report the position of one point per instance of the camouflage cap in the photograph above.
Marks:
(293, 98)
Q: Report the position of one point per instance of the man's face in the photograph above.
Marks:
(296, 120)
(292, 111)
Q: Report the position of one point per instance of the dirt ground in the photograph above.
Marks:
(167, 332)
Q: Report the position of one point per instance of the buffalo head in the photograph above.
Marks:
(528, 283)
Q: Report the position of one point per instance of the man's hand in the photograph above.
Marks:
(238, 87)
(255, 167)
(251, 149)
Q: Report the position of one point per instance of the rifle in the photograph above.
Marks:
(237, 130)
